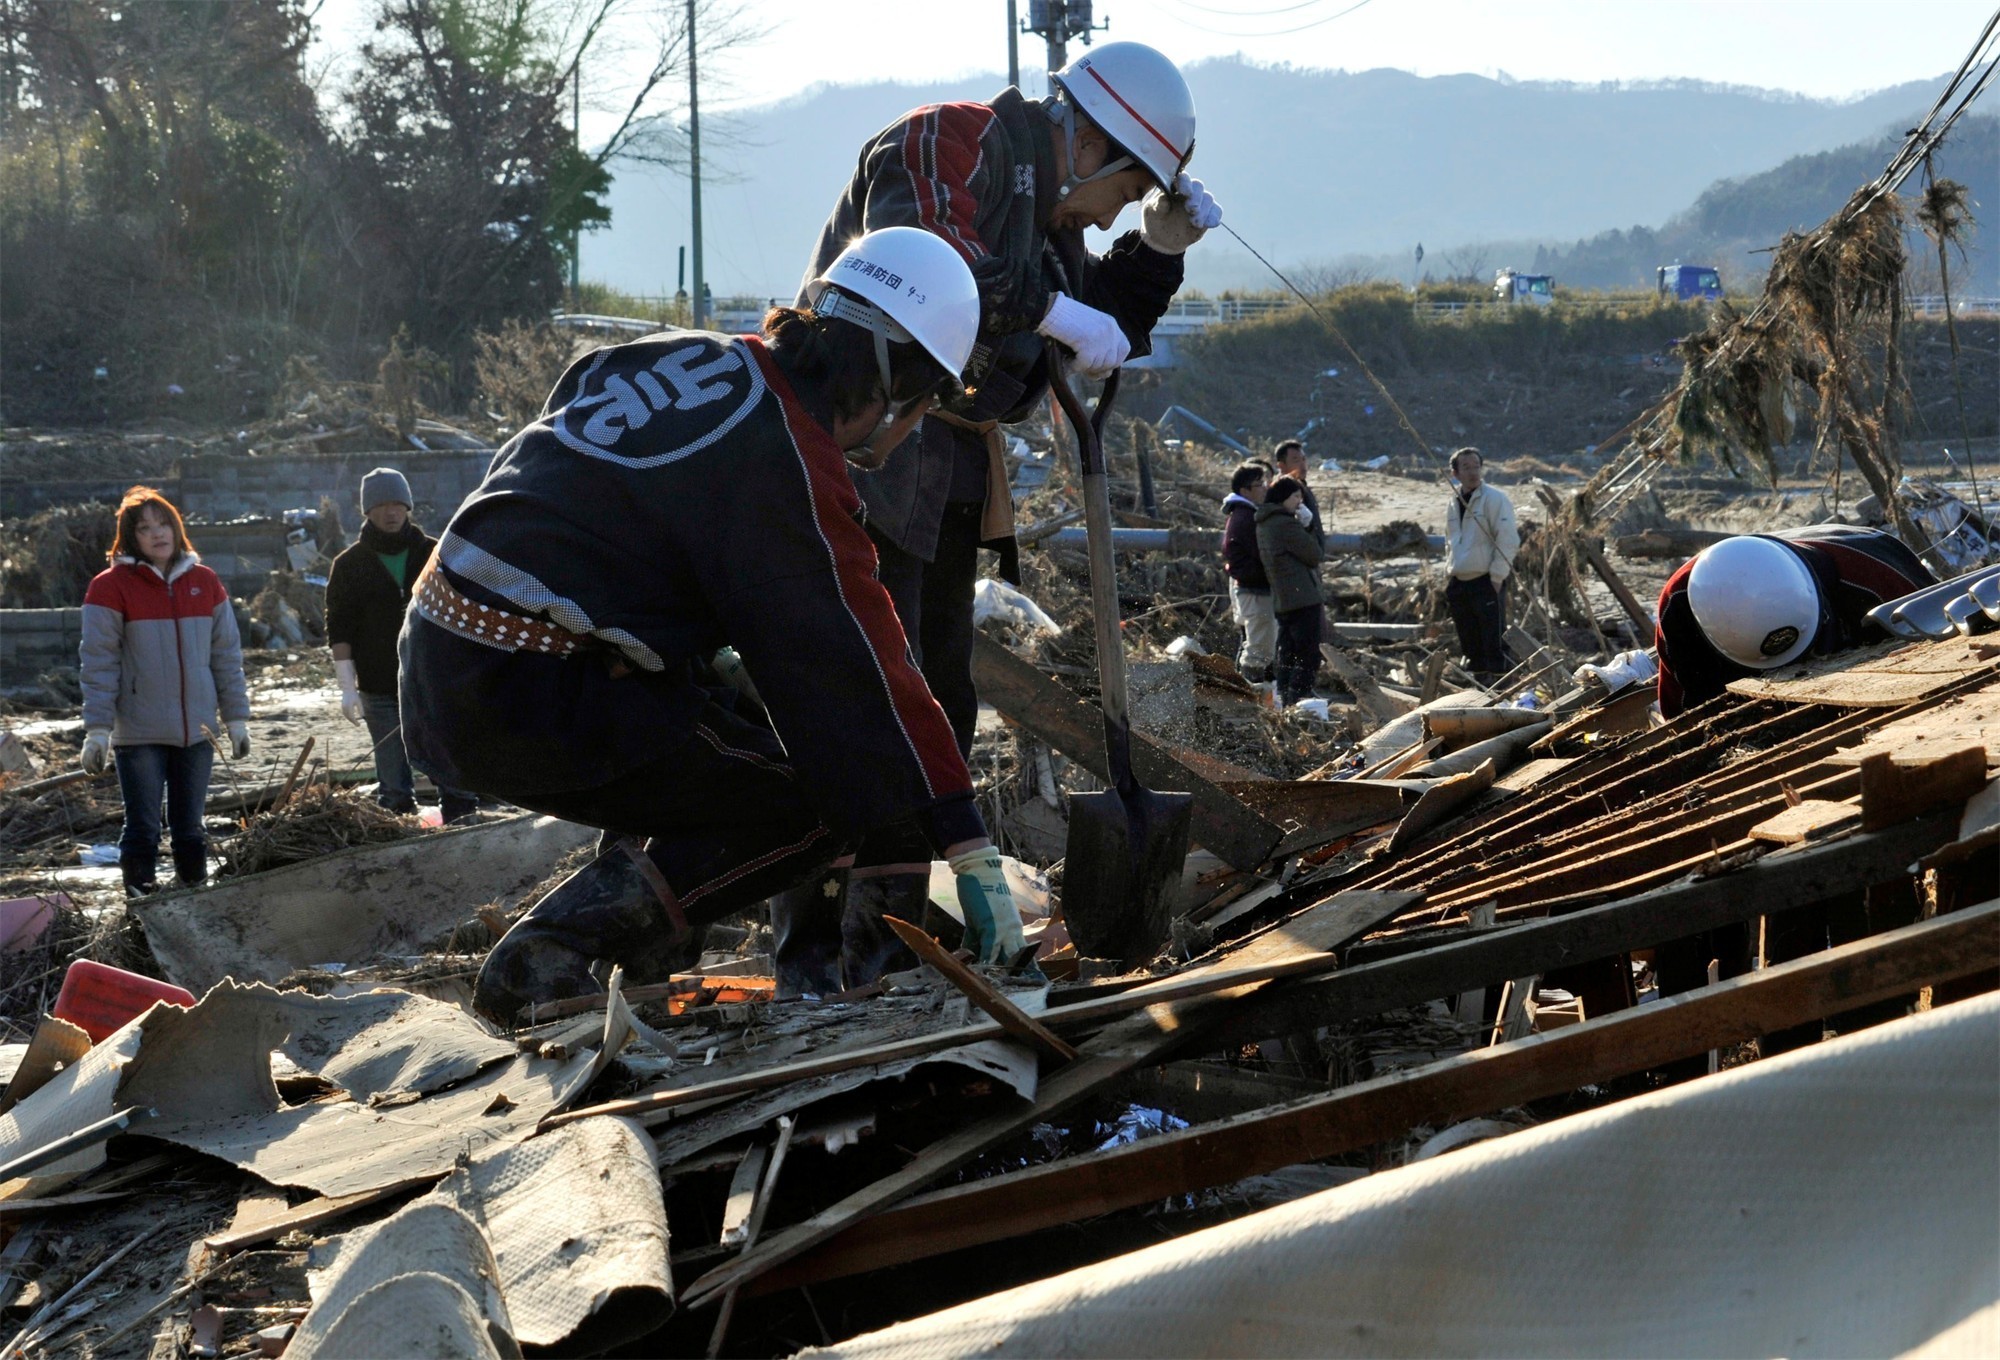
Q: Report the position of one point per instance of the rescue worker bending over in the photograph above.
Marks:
(1757, 602)
(677, 494)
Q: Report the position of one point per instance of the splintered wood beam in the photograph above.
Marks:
(1238, 836)
(1957, 945)
(980, 992)
(1593, 552)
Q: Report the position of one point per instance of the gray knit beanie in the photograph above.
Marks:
(383, 485)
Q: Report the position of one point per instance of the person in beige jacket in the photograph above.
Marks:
(1479, 527)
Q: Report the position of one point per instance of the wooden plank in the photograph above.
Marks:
(1885, 676)
(1793, 877)
(980, 992)
(742, 1196)
(1376, 702)
(1810, 819)
(1665, 542)
(312, 1214)
(1137, 1041)
(1593, 552)
(1236, 834)
(1474, 1083)
(1318, 930)
(1894, 789)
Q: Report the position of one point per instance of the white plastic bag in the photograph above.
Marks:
(993, 600)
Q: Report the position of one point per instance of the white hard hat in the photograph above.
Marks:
(1140, 100)
(1755, 600)
(904, 284)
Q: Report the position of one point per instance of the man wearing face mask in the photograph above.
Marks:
(1011, 184)
(677, 494)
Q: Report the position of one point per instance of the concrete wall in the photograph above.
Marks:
(37, 640)
(219, 487)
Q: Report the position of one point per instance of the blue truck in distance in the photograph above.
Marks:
(1690, 282)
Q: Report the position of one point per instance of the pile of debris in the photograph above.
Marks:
(48, 559)
(1492, 949)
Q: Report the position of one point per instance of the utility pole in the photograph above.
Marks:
(1057, 21)
(576, 136)
(694, 173)
(1013, 46)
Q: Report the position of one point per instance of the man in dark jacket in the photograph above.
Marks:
(367, 592)
(680, 493)
(1249, 586)
(1756, 602)
(1010, 184)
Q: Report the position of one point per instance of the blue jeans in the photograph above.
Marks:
(397, 782)
(181, 773)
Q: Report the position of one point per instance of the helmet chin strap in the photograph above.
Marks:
(1063, 113)
(846, 307)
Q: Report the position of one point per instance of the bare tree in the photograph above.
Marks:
(1319, 277)
(1469, 263)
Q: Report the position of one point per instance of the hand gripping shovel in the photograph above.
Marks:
(1126, 846)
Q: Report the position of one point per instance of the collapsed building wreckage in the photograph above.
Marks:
(1477, 1023)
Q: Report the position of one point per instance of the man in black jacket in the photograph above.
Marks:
(366, 594)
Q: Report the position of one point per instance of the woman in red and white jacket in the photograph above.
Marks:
(160, 656)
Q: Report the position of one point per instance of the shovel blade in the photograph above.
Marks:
(1122, 871)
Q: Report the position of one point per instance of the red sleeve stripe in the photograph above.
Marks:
(918, 717)
(942, 152)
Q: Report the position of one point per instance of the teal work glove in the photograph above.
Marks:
(992, 921)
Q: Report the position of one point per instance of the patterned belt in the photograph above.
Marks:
(439, 602)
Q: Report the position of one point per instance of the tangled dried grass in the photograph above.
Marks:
(317, 821)
(47, 560)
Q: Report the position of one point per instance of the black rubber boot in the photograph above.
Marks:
(191, 864)
(606, 910)
(806, 933)
(141, 876)
(868, 947)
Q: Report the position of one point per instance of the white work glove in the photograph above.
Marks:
(992, 921)
(350, 690)
(1170, 223)
(1093, 336)
(239, 738)
(96, 750)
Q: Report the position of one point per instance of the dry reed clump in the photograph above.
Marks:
(1822, 339)
(317, 821)
(47, 559)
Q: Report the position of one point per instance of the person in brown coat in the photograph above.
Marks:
(1291, 559)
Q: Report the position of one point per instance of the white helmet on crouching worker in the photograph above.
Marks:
(1755, 600)
(905, 285)
(1141, 102)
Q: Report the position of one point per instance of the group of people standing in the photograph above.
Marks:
(1274, 541)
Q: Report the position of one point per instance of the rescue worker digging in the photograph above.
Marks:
(1010, 184)
(680, 493)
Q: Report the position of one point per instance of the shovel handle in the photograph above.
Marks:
(1103, 571)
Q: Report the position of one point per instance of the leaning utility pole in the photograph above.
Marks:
(576, 140)
(700, 301)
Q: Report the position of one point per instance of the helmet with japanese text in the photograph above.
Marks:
(1755, 600)
(1140, 100)
(904, 285)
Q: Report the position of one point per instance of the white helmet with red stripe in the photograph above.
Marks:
(1140, 100)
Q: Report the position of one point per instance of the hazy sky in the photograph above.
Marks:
(1825, 48)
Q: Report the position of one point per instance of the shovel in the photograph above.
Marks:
(1122, 867)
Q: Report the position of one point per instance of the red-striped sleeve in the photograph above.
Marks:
(942, 155)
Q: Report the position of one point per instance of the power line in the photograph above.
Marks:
(1274, 33)
(1250, 13)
